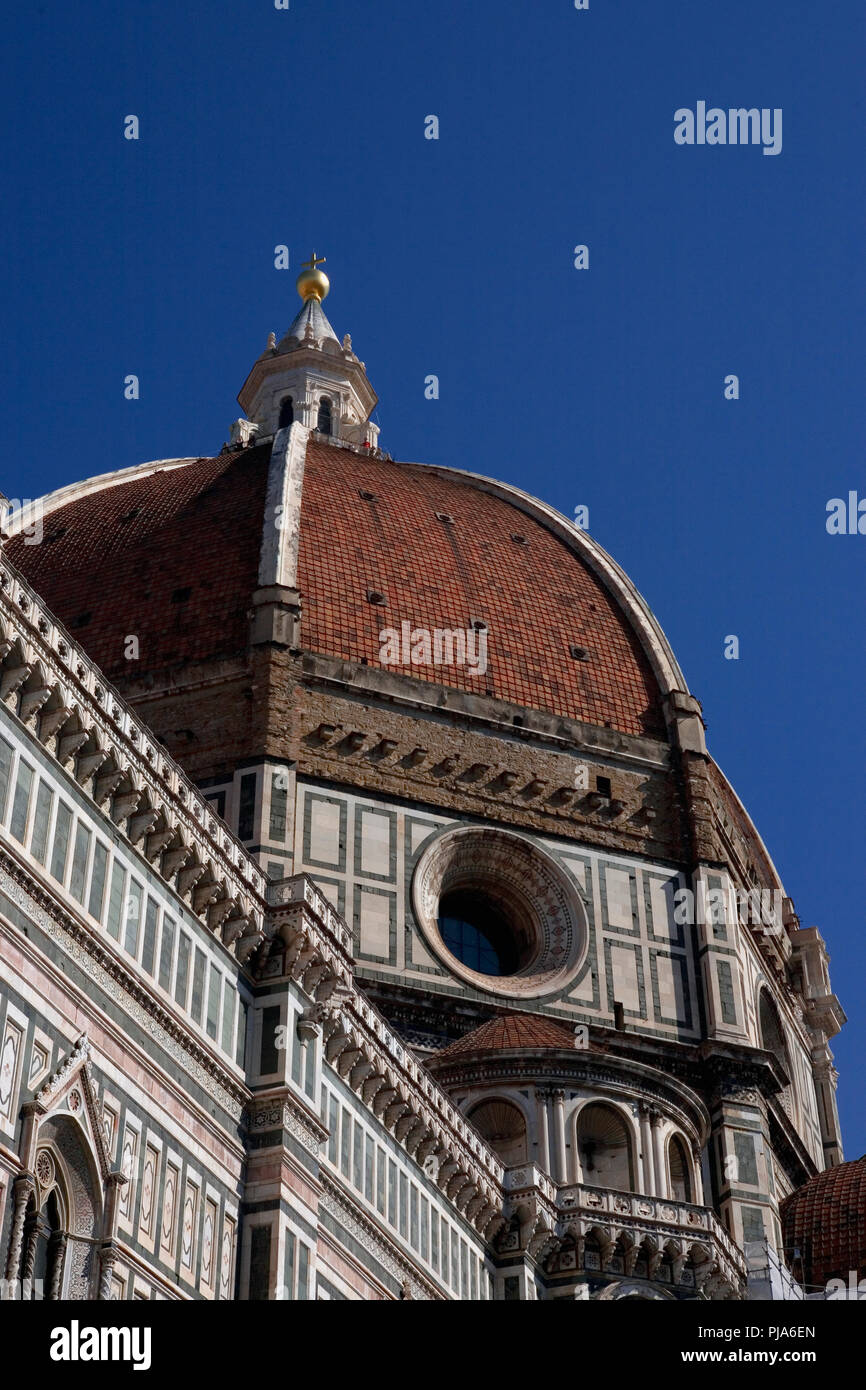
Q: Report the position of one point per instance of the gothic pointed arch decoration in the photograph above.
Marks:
(62, 1248)
(66, 1192)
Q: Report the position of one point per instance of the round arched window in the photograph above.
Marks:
(499, 912)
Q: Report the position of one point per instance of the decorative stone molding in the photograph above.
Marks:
(549, 1223)
(280, 1110)
(528, 1177)
(75, 1065)
(45, 1171)
(359, 1225)
(332, 934)
(531, 888)
(70, 1064)
(545, 795)
(587, 1073)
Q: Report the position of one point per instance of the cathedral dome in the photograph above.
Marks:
(170, 552)
(824, 1225)
(448, 550)
(405, 753)
(302, 510)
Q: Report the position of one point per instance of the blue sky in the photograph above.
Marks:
(601, 387)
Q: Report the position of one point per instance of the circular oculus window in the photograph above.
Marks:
(499, 912)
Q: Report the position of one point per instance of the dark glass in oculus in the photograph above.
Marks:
(478, 933)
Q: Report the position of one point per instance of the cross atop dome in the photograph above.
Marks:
(313, 283)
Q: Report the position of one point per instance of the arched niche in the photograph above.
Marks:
(64, 1218)
(605, 1148)
(679, 1170)
(503, 1126)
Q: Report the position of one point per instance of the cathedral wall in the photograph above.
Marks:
(178, 1211)
(384, 1184)
(95, 943)
(735, 973)
(797, 1100)
(363, 850)
(401, 737)
(756, 977)
(334, 1201)
(72, 851)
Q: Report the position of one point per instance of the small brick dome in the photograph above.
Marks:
(825, 1220)
(510, 1032)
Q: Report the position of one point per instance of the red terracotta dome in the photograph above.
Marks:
(521, 1032)
(170, 552)
(825, 1220)
(443, 553)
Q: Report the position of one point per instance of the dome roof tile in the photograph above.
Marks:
(169, 556)
(537, 598)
